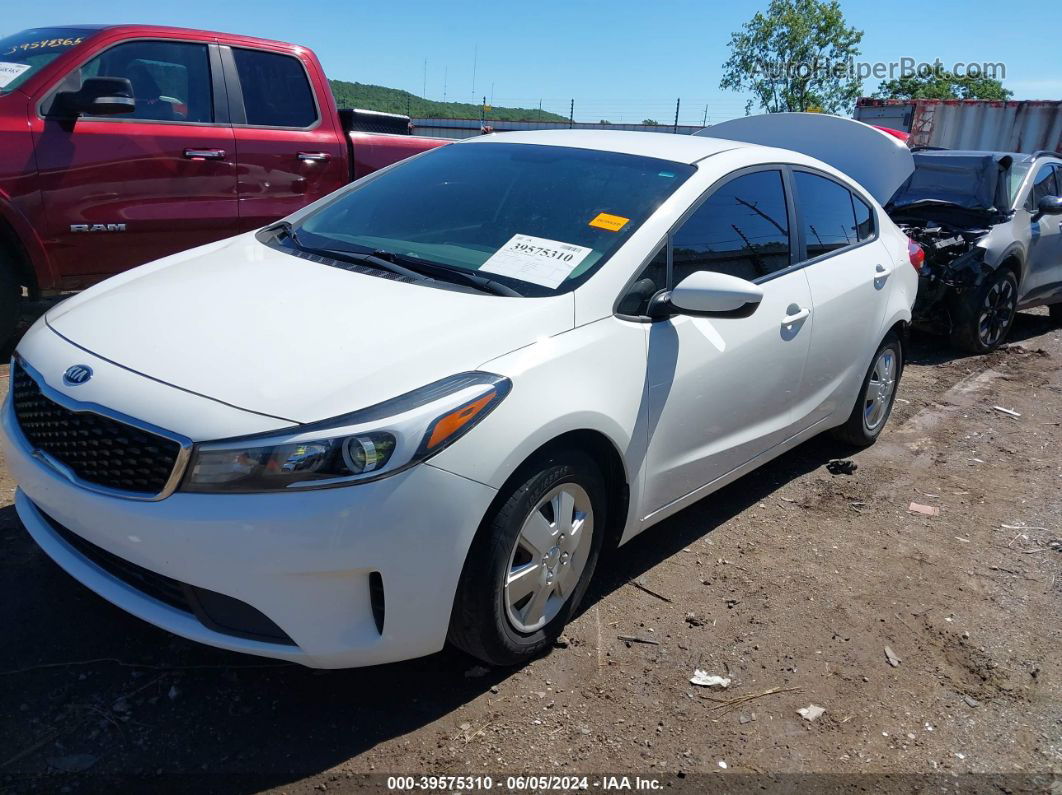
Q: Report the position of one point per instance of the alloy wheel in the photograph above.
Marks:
(997, 312)
(549, 557)
(880, 388)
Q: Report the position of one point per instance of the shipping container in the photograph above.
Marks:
(986, 125)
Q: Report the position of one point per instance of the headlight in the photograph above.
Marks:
(365, 445)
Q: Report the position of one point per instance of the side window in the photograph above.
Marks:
(742, 229)
(864, 218)
(650, 281)
(170, 80)
(276, 92)
(1043, 185)
(827, 214)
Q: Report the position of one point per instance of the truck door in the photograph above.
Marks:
(122, 190)
(291, 150)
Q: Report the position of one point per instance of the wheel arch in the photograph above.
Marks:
(604, 452)
(18, 239)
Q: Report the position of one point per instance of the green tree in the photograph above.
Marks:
(794, 57)
(652, 122)
(938, 83)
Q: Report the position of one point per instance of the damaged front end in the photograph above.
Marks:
(954, 266)
(950, 205)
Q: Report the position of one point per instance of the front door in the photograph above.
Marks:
(1043, 276)
(721, 389)
(291, 152)
(122, 190)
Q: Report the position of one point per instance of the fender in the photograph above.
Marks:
(36, 266)
(1015, 251)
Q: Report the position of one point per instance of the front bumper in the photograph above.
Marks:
(303, 560)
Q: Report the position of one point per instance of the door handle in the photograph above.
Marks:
(881, 272)
(313, 157)
(204, 154)
(803, 314)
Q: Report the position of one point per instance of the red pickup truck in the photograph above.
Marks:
(122, 144)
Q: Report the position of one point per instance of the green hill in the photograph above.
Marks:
(392, 100)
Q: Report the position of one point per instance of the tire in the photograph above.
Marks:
(983, 321)
(1055, 311)
(877, 394)
(501, 625)
(10, 298)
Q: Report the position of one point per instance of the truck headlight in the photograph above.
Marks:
(364, 445)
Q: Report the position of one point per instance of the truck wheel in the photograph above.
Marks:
(983, 321)
(10, 299)
(876, 396)
(531, 561)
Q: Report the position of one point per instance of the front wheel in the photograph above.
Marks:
(531, 561)
(876, 395)
(985, 317)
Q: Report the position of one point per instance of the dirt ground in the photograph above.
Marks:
(791, 582)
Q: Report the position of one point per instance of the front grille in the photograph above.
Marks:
(97, 449)
(216, 611)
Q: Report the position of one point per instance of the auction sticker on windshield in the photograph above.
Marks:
(9, 71)
(536, 260)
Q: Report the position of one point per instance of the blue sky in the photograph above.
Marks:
(622, 60)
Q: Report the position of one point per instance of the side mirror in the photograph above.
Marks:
(711, 293)
(98, 96)
(1048, 205)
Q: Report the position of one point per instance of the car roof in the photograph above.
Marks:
(1017, 157)
(666, 146)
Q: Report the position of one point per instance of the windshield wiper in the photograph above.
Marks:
(343, 255)
(411, 267)
(437, 269)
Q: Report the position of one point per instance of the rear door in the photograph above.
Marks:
(291, 152)
(722, 389)
(1043, 277)
(848, 270)
(122, 190)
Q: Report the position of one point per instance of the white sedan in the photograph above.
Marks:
(419, 409)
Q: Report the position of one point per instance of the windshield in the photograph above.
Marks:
(1015, 177)
(25, 53)
(539, 219)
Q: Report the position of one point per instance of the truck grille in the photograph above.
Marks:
(97, 449)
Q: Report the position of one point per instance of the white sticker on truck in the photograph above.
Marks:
(536, 260)
(9, 71)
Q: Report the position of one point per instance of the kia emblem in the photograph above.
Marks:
(77, 375)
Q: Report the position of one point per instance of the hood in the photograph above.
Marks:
(876, 160)
(972, 181)
(268, 332)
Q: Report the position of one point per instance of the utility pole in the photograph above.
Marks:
(677, 103)
(483, 114)
(540, 110)
(475, 62)
(705, 122)
(571, 116)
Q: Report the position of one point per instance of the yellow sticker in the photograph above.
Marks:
(613, 223)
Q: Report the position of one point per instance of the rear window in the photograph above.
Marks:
(25, 53)
(276, 92)
(832, 217)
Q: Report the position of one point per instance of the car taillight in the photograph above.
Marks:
(916, 254)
